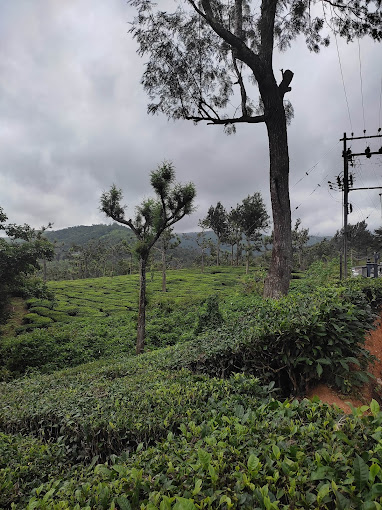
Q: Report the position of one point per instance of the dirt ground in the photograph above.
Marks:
(368, 391)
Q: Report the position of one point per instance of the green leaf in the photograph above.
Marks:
(374, 470)
(376, 490)
(342, 503)
(184, 504)
(213, 475)
(361, 472)
(324, 491)
(369, 505)
(166, 503)
(374, 407)
(253, 463)
(322, 473)
(319, 370)
(204, 458)
(276, 451)
(123, 503)
(198, 485)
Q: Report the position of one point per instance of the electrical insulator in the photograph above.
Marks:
(368, 152)
(380, 150)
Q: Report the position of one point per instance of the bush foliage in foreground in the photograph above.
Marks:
(268, 456)
(151, 432)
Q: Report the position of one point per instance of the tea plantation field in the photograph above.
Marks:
(208, 416)
(96, 318)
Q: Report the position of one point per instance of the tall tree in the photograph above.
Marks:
(216, 220)
(173, 201)
(252, 218)
(233, 237)
(359, 239)
(300, 238)
(204, 51)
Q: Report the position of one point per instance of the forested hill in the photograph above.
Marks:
(82, 234)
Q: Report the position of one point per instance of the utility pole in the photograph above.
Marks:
(347, 184)
(346, 200)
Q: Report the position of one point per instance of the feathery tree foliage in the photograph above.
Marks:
(173, 201)
(205, 55)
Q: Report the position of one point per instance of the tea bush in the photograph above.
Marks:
(295, 341)
(104, 412)
(276, 455)
(25, 463)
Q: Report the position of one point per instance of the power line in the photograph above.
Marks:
(314, 166)
(380, 105)
(343, 81)
(311, 193)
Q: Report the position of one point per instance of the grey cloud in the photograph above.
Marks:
(73, 121)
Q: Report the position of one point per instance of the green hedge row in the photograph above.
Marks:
(295, 341)
(97, 413)
(274, 456)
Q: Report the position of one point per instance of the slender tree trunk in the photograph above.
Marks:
(142, 307)
(232, 254)
(218, 253)
(164, 270)
(203, 260)
(277, 281)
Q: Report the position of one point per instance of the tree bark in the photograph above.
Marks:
(142, 307)
(163, 270)
(277, 281)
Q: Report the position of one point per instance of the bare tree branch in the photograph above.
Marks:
(245, 118)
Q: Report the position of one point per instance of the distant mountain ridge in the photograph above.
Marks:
(114, 233)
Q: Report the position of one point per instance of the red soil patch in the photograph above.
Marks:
(367, 392)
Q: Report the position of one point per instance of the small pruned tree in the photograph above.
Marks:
(252, 218)
(168, 241)
(153, 216)
(216, 220)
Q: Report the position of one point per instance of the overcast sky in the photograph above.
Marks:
(73, 121)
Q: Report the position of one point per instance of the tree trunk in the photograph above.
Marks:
(203, 260)
(218, 253)
(142, 307)
(277, 281)
(164, 270)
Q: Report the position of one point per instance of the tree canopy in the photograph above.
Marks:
(20, 255)
(153, 216)
(205, 56)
